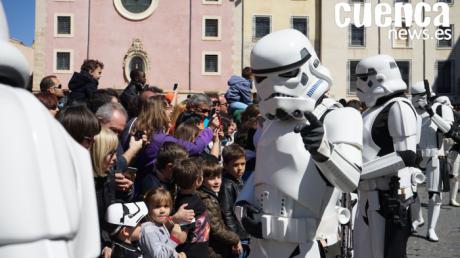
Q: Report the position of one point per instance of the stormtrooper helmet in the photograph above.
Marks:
(418, 92)
(125, 214)
(14, 69)
(443, 100)
(378, 76)
(288, 75)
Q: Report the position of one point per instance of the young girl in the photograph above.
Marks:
(156, 239)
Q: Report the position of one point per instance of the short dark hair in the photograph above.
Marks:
(48, 99)
(79, 122)
(170, 152)
(247, 72)
(185, 173)
(232, 152)
(153, 89)
(98, 99)
(90, 65)
(47, 82)
(135, 74)
(211, 168)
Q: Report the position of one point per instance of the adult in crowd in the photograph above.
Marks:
(52, 84)
(154, 122)
(197, 110)
(80, 123)
(49, 100)
(103, 157)
(130, 94)
(223, 105)
(99, 98)
(113, 116)
(84, 83)
(239, 93)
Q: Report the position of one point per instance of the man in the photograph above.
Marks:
(382, 224)
(84, 83)
(130, 94)
(223, 105)
(52, 84)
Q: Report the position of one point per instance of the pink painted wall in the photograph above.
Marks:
(165, 38)
(212, 82)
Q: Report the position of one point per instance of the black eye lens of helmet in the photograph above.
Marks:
(364, 78)
(260, 78)
(290, 74)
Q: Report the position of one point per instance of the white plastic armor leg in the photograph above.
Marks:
(433, 182)
(416, 214)
(368, 238)
(453, 192)
(434, 208)
(268, 248)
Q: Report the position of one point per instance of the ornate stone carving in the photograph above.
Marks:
(136, 50)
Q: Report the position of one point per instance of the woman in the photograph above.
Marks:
(103, 157)
(154, 121)
(50, 101)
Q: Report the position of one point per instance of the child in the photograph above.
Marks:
(188, 176)
(156, 239)
(234, 167)
(125, 219)
(222, 241)
(162, 172)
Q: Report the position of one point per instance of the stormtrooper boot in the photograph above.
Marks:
(417, 217)
(433, 214)
(453, 192)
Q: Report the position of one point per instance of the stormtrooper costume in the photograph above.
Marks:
(437, 120)
(284, 201)
(47, 190)
(382, 224)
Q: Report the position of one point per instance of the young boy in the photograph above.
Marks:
(222, 241)
(234, 167)
(125, 220)
(188, 177)
(162, 172)
(156, 239)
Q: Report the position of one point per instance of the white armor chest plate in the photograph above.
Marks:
(370, 148)
(287, 182)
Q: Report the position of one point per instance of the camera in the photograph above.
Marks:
(138, 135)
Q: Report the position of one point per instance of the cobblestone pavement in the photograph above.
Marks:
(448, 231)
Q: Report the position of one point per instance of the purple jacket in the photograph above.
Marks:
(148, 155)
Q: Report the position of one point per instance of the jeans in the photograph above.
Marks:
(237, 106)
(246, 250)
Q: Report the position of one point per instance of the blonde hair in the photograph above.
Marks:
(104, 143)
(177, 110)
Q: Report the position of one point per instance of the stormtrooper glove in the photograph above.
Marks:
(313, 137)
(252, 225)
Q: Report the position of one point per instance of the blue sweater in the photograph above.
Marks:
(239, 90)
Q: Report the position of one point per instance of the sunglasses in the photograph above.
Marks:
(59, 86)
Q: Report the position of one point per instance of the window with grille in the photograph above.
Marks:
(262, 26)
(300, 24)
(357, 37)
(211, 63)
(446, 1)
(445, 76)
(63, 61)
(352, 76)
(64, 25)
(444, 40)
(211, 28)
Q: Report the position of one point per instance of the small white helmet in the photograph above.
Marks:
(378, 76)
(14, 69)
(126, 214)
(288, 74)
(443, 100)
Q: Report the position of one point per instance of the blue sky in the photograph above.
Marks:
(21, 19)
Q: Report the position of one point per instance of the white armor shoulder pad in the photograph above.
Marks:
(337, 133)
(447, 114)
(402, 119)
